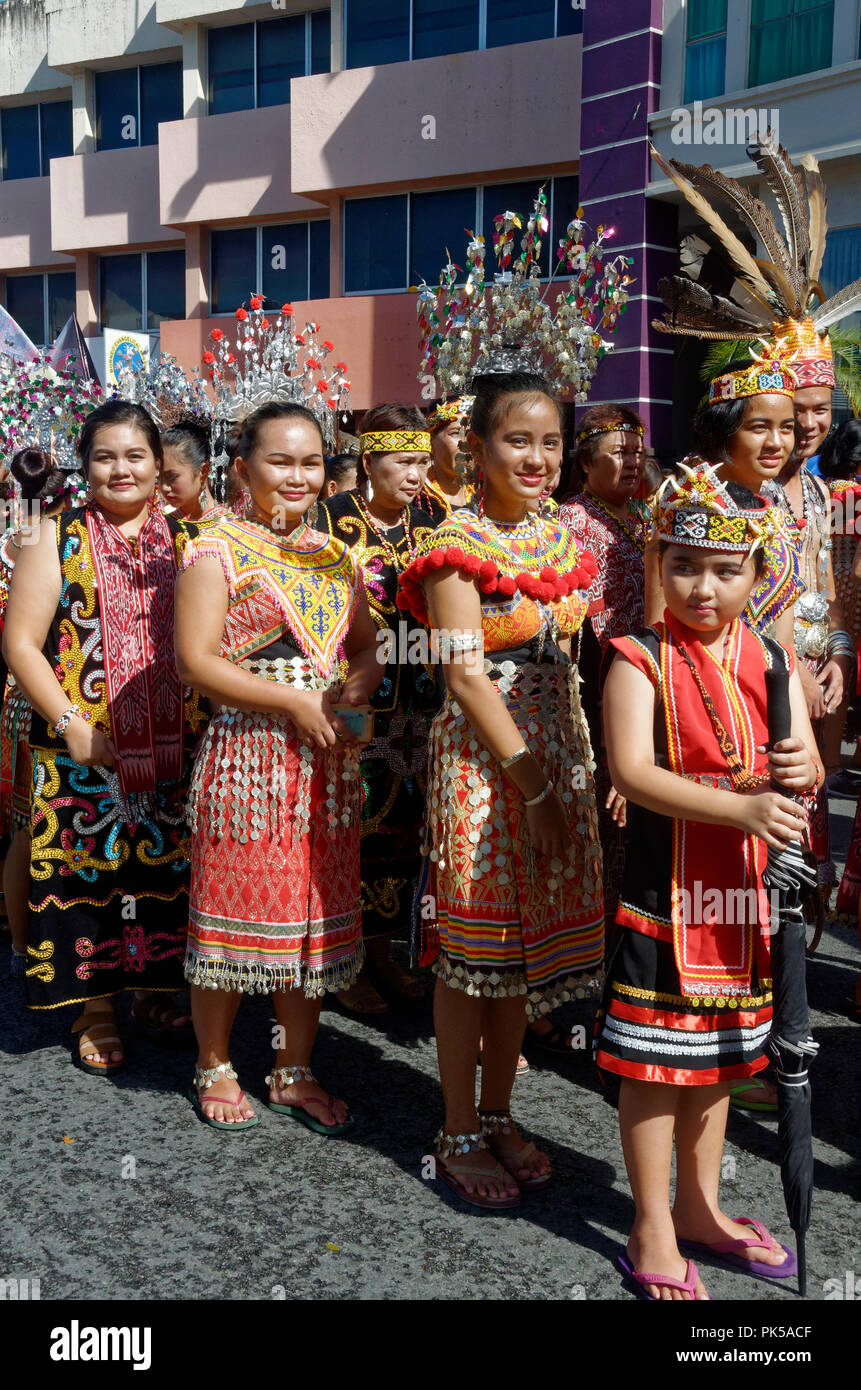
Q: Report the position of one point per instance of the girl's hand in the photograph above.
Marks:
(88, 745)
(791, 764)
(617, 806)
(548, 827)
(772, 817)
(311, 713)
(813, 692)
(832, 680)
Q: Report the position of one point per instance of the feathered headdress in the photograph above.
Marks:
(774, 295)
(697, 510)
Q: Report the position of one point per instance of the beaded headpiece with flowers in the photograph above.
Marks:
(166, 391)
(507, 323)
(771, 374)
(697, 510)
(271, 361)
(43, 407)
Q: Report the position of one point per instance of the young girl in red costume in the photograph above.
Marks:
(687, 1009)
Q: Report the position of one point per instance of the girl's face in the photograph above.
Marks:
(706, 589)
(121, 470)
(615, 469)
(284, 472)
(180, 483)
(445, 444)
(523, 453)
(396, 478)
(763, 442)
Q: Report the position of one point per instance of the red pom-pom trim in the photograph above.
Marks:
(486, 570)
(488, 586)
(506, 585)
(436, 560)
(471, 564)
(455, 556)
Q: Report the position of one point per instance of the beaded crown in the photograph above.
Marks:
(813, 362)
(773, 373)
(697, 510)
(448, 411)
(271, 361)
(507, 323)
(43, 407)
(165, 390)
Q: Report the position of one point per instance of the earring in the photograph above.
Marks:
(310, 517)
(479, 492)
(246, 506)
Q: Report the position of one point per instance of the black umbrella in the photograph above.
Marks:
(792, 874)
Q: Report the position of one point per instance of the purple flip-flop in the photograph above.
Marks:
(725, 1251)
(688, 1285)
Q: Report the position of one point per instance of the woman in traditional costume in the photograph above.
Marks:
(381, 524)
(89, 640)
(45, 489)
(512, 907)
(184, 478)
(450, 476)
(273, 627)
(607, 523)
(687, 1008)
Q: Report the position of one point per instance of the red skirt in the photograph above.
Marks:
(275, 877)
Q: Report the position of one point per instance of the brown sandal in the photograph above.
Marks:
(359, 995)
(448, 1144)
(94, 1038)
(494, 1125)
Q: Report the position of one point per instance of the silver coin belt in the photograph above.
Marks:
(810, 629)
(541, 699)
(239, 783)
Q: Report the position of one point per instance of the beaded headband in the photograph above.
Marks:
(770, 374)
(813, 363)
(623, 428)
(396, 442)
(698, 511)
(450, 410)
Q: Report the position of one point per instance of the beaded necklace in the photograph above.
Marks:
(637, 540)
(397, 561)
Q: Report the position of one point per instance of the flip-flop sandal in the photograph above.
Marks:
(739, 1102)
(198, 1103)
(725, 1251)
(686, 1285)
(350, 1000)
(159, 1032)
(93, 1038)
(492, 1126)
(204, 1077)
(475, 1199)
(282, 1077)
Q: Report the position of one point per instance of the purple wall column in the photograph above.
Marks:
(621, 87)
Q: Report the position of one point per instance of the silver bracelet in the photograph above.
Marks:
(451, 642)
(65, 719)
(515, 757)
(542, 796)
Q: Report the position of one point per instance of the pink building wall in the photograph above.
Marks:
(25, 227)
(108, 201)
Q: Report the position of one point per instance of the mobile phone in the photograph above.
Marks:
(359, 719)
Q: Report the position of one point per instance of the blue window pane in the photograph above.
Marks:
(439, 220)
(569, 17)
(280, 56)
(507, 22)
(812, 40)
(25, 301)
(511, 197)
(165, 286)
(318, 263)
(122, 292)
(21, 142)
(321, 41)
(565, 200)
(161, 98)
(705, 69)
(709, 17)
(770, 52)
(375, 244)
(117, 109)
(378, 31)
(61, 301)
(764, 10)
(231, 69)
(56, 118)
(233, 267)
(285, 263)
(444, 26)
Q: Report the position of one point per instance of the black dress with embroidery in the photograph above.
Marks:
(108, 881)
(394, 764)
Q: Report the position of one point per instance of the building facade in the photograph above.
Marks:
(162, 161)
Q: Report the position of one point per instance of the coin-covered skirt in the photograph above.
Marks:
(507, 921)
(275, 880)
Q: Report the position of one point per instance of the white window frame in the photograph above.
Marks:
(479, 190)
(255, 25)
(483, 6)
(258, 257)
